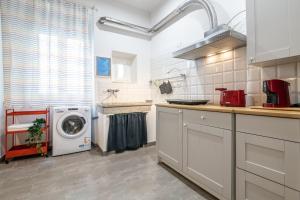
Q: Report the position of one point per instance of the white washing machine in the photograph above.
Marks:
(71, 130)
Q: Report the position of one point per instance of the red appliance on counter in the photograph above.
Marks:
(277, 92)
(232, 98)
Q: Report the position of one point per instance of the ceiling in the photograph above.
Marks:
(145, 5)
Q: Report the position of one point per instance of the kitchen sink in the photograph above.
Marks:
(124, 107)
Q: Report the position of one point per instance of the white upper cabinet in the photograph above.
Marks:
(295, 27)
(272, 30)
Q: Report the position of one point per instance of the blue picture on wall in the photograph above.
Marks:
(103, 66)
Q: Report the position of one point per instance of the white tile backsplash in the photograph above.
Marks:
(219, 67)
(228, 66)
(240, 86)
(229, 86)
(228, 77)
(254, 74)
(240, 53)
(218, 78)
(228, 70)
(240, 63)
(227, 56)
(287, 71)
(268, 73)
(240, 76)
(254, 87)
(208, 79)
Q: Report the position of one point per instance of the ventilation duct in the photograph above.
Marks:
(184, 8)
(216, 40)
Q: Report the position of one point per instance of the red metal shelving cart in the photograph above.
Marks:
(13, 150)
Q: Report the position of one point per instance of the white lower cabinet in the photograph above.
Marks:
(207, 157)
(253, 187)
(274, 159)
(268, 158)
(198, 145)
(169, 136)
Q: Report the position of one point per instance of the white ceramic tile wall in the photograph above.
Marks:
(288, 72)
(128, 92)
(203, 76)
(227, 70)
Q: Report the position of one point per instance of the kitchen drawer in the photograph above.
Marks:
(274, 159)
(281, 128)
(214, 119)
(252, 187)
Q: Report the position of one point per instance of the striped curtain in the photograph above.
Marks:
(1, 98)
(47, 53)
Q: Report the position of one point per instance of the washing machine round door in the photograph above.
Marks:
(72, 125)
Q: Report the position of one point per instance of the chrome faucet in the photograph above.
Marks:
(112, 91)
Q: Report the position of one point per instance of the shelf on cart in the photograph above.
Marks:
(24, 150)
(32, 112)
(19, 127)
(23, 131)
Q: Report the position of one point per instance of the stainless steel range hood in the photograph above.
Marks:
(218, 40)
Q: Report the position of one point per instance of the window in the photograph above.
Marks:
(47, 62)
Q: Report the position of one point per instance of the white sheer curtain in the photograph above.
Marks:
(48, 53)
(1, 98)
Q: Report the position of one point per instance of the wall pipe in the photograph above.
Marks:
(188, 6)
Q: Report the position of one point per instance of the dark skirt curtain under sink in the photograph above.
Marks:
(127, 132)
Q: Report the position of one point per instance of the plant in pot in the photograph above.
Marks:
(35, 136)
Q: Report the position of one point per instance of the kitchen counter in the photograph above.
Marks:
(213, 108)
(255, 110)
(123, 104)
(124, 107)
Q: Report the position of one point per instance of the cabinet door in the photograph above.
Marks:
(274, 159)
(292, 165)
(267, 30)
(294, 26)
(207, 157)
(169, 136)
(252, 187)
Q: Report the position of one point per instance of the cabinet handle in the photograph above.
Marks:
(251, 60)
(184, 125)
(202, 117)
(180, 111)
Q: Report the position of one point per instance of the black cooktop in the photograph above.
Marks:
(187, 101)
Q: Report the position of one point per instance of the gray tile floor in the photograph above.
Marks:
(133, 175)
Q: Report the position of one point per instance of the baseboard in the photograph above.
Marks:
(105, 153)
(150, 144)
(2, 158)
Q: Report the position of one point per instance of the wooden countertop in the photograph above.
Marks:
(268, 112)
(213, 108)
(293, 113)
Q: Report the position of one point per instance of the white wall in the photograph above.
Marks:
(191, 28)
(106, 42)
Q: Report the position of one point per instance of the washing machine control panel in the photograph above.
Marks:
(72, 108)
(59, 110)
